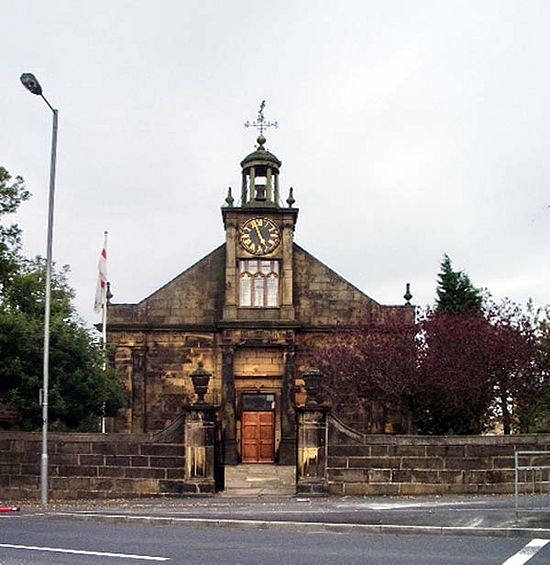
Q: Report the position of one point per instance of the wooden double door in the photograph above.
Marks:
(258, 433)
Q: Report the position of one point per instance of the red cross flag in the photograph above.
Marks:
(101, 292)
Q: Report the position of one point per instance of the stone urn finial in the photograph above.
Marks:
(200, 378)
(407, 296)
(312, 380)
(290, 200)
(229, 199)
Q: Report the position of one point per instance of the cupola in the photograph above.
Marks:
(260, 178)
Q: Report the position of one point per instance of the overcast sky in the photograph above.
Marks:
(407, 128)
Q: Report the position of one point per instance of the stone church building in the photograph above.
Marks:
(244, 313)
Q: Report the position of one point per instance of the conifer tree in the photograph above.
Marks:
(455, 292)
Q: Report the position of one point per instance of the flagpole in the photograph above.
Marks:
(104, 338)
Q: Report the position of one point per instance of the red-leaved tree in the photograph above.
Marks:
(370, 373)
(454, 388)
(462, 373)
(519, 364)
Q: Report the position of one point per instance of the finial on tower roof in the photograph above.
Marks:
(290, 200)
(407, 296)
(229, 199)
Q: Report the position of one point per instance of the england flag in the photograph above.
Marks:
(101, 292)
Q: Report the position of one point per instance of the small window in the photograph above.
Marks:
(259, 283)
(258, 402)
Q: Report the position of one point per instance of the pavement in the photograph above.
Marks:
(443, 515)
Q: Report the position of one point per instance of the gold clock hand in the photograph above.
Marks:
(260, 236)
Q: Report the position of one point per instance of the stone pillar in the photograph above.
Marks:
(252, 184)
(269, 186)
(244, 198)
(311, 475)
(139, 400)
(276, 188)
(200, 434)
(229, 420)
(287, 448)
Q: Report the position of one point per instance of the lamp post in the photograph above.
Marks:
(31, 83)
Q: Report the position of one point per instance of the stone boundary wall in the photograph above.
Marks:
(360, 464)
(84, 466)
(92, 466)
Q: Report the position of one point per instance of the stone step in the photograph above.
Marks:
(259, 479)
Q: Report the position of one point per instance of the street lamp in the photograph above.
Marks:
(30, 82)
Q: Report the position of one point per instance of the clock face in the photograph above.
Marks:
(259, 236)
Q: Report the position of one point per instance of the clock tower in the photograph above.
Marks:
(259, 245)
(258, 325)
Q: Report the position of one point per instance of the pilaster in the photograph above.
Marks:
(139, 392)
(231, 274)
(287, 298)
(287, 449)
(229, 419)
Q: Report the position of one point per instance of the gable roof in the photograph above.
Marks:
(322, 297)
(194, 297)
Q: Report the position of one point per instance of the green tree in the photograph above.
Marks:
(455, 292)
(12, 194)
(79, 388)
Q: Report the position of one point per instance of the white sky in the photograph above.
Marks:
(407, 129)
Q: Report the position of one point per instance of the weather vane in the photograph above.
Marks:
(260, 122)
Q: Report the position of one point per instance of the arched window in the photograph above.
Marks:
(259, 283)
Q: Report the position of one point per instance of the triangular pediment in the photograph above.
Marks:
(323, 298)
(194, 297)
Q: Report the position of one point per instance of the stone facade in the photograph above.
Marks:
(248, 311)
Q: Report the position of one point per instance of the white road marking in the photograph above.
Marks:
(82, 552)
(474, 522)
(399, 505)
(522, 556)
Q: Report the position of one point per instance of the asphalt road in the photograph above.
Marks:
(493, 514)
(32, 538)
